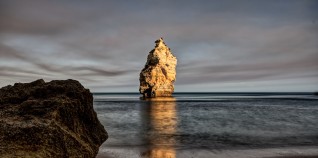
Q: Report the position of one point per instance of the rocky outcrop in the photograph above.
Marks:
(159, 74)
(54, 119)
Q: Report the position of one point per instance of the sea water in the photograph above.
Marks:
(166, 127)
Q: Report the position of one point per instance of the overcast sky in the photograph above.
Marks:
(232, 46)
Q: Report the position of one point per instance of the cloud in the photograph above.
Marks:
(105, 43)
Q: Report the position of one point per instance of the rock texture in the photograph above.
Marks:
(159, 74)
(54, 119)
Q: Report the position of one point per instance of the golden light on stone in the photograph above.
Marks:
(159, 74)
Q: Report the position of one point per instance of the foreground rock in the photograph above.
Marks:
(54, 119)
(159, 74)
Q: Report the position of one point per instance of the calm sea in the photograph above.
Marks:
(208, 120)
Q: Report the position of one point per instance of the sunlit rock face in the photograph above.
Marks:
(159, 74)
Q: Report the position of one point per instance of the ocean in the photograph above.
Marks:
(209, 125)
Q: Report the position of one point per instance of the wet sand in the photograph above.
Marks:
(140, 152)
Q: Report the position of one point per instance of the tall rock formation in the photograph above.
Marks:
(53, 119)
(159, 74)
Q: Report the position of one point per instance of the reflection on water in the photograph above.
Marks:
(163, 122)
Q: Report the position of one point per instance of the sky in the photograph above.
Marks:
(221, 46)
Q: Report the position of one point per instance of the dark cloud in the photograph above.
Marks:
(42, 17)
(250, 72)
(9, 53)
(16, 72)
(93, 71)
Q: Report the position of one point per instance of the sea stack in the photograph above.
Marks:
(159, 74)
